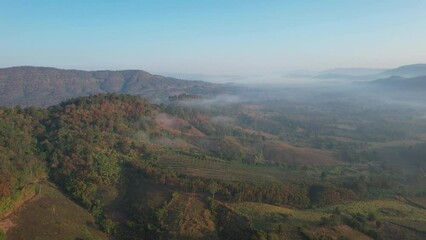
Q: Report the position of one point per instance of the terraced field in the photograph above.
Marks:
(214, 168)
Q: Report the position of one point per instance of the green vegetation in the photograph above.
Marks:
(171, 172)
(21, 164)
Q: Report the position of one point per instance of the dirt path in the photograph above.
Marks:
(6, 224)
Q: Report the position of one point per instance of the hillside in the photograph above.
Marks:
(351, 74)
(403, 83)
(408, 71)
(360, 74)
(147, 171)
(50, 215)
(42, 86)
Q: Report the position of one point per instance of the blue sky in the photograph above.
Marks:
(212, 37)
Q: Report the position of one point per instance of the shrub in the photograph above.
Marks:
(273, 236)
(371, 217)
(108, 226)
(259, 235)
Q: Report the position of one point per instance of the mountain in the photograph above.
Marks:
(367, 74)
(206, 77)
(150, 171)
(335, 76)
(402, 83)
(43, 86)
(413, 70)
(141, 171)
(350, 74)
(352, 71)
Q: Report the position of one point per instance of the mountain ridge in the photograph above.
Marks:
(403, 83)
(367, 74)
(411, 70)
(45, 86)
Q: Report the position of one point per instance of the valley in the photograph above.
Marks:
(187, 169)
(212, 120)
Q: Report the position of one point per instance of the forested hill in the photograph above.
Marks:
(42, 86)
(166, 171)
(109, 151)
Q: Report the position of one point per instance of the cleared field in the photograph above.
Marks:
(51, 216)
(270, 217)
(419, 226)
(289, 223)
(265, 216)
(281, 152)
(230, 171)
(396, 212)
(389, 210)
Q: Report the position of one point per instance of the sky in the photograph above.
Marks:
(212, 36)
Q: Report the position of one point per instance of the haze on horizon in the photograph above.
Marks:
(212, 37)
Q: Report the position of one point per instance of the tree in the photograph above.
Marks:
(213, 187)
(259, 158)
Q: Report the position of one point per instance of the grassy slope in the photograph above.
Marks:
(215, 168)
(51, 215)
(266, 217)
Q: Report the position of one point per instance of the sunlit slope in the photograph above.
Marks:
(50, 215)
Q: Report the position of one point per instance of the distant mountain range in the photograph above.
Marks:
(407, 71)
(402, 83)
(43, 86)
(366, 74)
(405, 78)
(207, 77)
(352, 71)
